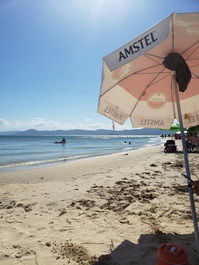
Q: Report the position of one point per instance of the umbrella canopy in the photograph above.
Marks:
(137, 78)
(174, 127)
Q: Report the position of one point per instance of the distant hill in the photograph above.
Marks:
(32, 132)
(9, 133)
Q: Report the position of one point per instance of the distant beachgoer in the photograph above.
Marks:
(63, 140)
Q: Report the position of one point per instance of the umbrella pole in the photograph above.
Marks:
(191, 197)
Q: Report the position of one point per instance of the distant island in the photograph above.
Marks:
(32, 132)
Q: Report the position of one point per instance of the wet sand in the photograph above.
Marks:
(113, 209)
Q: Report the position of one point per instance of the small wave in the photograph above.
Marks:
(153, 140)
(151, 145)
(41, 162)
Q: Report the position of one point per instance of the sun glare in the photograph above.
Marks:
(99, 9)
(96, 10)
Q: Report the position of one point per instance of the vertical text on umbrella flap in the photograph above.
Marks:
(139, 45)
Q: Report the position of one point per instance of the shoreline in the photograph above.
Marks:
(128, 203)
(67, 167)
(60, 161)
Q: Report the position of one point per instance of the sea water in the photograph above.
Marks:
(31, 151)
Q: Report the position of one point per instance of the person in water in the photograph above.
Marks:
(63, 140)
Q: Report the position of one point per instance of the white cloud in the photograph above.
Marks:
(36, 123)
(3, 123)
(39, 123)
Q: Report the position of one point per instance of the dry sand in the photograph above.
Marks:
(113, 209)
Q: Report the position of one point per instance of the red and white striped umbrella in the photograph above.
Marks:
(137, 84)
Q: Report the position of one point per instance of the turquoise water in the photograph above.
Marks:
(31, 151)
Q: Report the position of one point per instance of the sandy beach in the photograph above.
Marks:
(114, 209)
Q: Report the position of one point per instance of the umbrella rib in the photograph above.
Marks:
(192, 59)
(194, 66)
(172, 97)
(152, 73)
(192, 53)
(140, 71)
(196, 76)
(189, 47)
(126, 78)
(150, 54)
(152, 59)
(172, 34)
(160, 79)
(143, 92)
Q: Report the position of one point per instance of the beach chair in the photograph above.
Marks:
(170, 146)
(192, 143)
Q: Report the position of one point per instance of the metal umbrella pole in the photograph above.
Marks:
(191, 197)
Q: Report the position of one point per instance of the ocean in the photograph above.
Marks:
(34, 151)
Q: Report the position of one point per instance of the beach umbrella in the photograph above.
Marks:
(154, 80)
(174, 128)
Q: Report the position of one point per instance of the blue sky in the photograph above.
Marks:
(51, 56)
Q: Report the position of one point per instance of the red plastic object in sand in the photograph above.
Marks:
(171, 254)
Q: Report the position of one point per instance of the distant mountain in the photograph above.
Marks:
(9, 133)
(32, 132)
